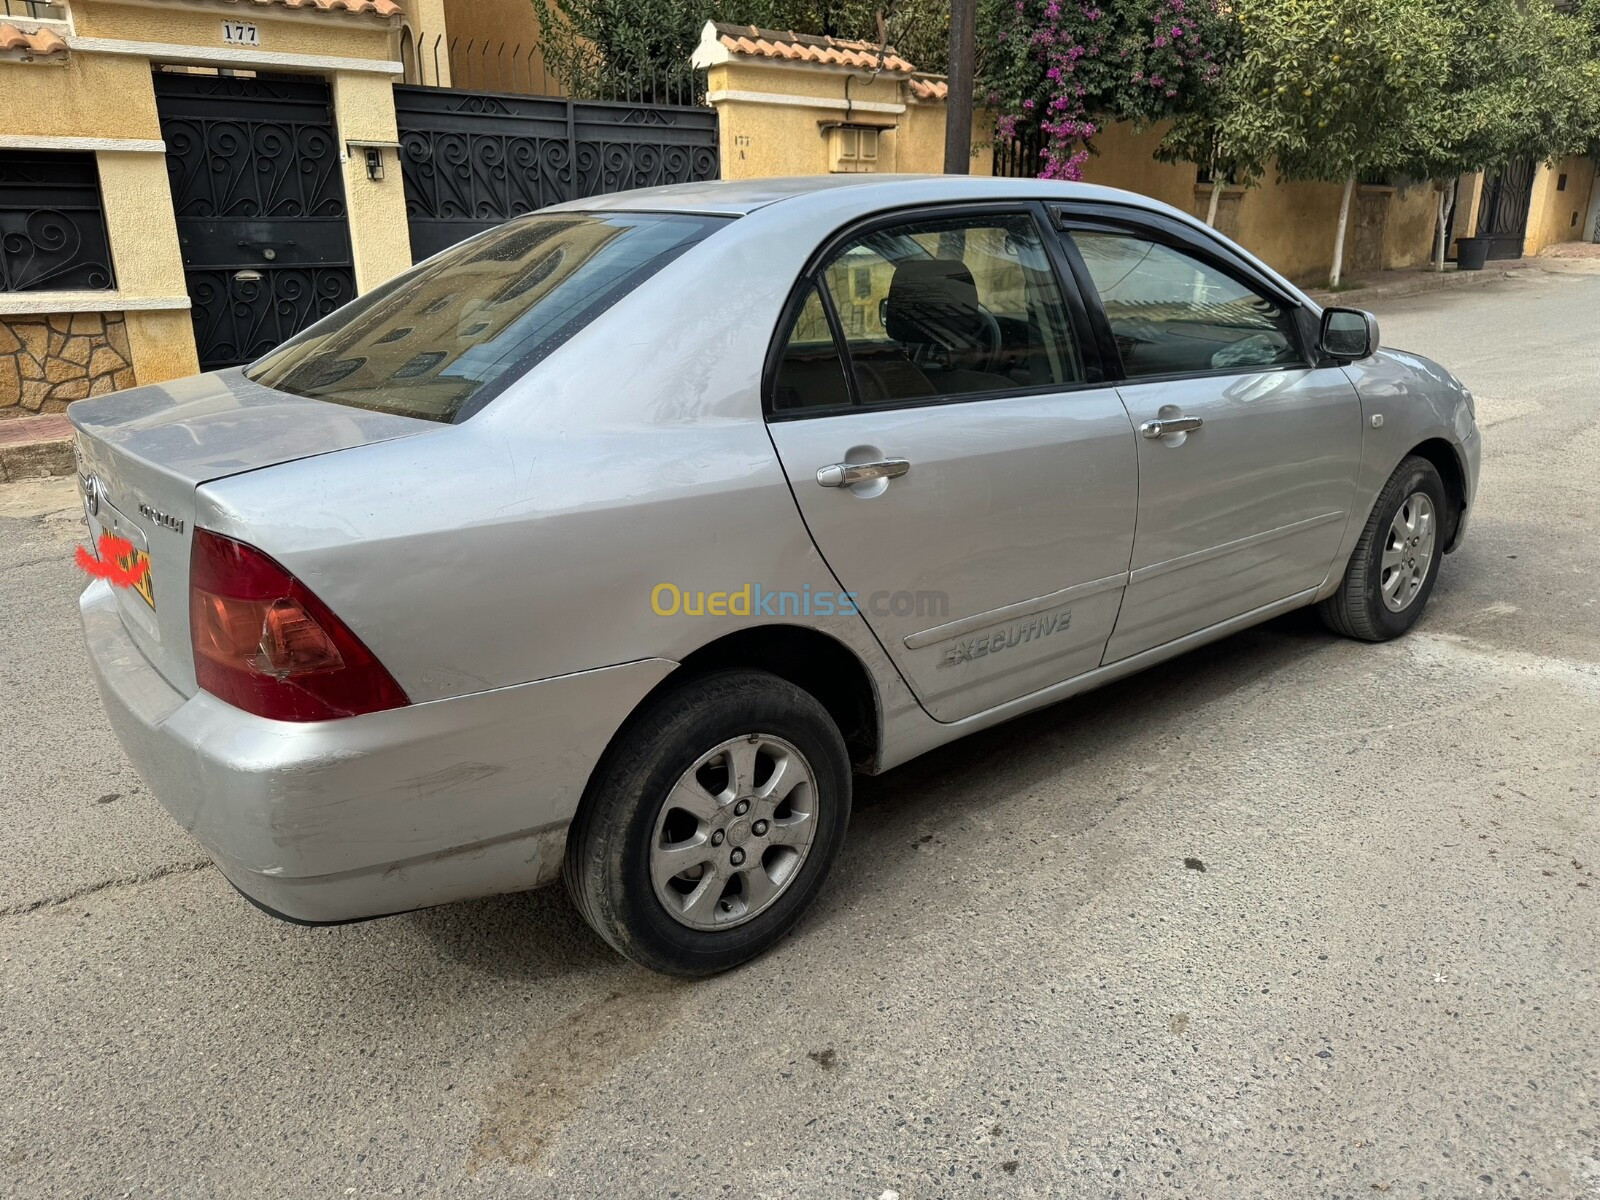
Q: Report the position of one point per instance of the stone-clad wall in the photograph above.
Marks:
(46, 362)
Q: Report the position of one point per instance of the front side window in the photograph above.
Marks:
(1172, 314)
(951, 307)
(441, 340)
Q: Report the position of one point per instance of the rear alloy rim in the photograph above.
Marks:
(1407, 552)
(734, 832)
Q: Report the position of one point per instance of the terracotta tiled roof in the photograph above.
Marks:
(38, 44)
(929, 89)
(379, 8)
(803, 47)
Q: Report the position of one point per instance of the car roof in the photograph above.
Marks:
(738, 197)
(872, 193)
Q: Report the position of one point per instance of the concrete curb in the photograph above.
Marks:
(1417, 283)
(35, 448)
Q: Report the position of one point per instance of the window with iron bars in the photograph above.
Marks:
(52, 227)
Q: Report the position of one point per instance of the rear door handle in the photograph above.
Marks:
(844, 474)
(1156, 429)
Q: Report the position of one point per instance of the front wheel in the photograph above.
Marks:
(1393, 567)
(712, 825)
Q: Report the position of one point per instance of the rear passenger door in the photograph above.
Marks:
(954, 452)
(1248, 449)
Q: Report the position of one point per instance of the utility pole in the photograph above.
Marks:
(958, 108)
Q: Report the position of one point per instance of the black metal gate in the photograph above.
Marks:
(1503, 211)
(474, 159)
(1020, 156)
(257, 189)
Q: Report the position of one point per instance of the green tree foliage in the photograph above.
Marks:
(1522, 80)
(1336, 89)
(617, 47)
(1327, 89)
(1333, 89)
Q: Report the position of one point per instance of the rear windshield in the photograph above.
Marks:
(444, 338)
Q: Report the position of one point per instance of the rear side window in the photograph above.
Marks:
(443, 339)
(811, 374)
(1172, 314)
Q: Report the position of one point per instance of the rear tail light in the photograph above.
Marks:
(265, 644)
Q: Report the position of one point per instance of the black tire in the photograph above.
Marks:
(607, 865)
(1357, 609)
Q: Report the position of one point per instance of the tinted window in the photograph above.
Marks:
(442, 339)
(811, 374)
(950, 308)
(1172, 314)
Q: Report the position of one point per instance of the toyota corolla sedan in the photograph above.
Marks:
(612, 542)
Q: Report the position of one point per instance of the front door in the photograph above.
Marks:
(256, 186)
(1247, 452)
(972, 495)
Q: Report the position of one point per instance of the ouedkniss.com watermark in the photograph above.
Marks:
(669, 600)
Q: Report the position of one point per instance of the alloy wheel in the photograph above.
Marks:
(1407, 552)
(734, 831)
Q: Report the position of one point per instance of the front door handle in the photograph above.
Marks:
(1156, 429)
(844, 474)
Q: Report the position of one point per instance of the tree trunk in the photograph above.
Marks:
(1216, 198)
(1338, 238)
(958, 106)
(1438, 241)
(1447, 205)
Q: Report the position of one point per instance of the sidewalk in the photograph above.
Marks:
(1414, 281)
(35, 447)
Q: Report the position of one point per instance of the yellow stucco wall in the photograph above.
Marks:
(430, 27)
(1290, 225)
(282, 30)
(509, 24)
(1469, 199)
(1408, 235)
(1125, 158)
(149, 262)
(770, 121)
(91, 95)
(380, 241)
(141, 229)
(162, 342)
(1558, 216)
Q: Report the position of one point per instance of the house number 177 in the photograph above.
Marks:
(236, 33)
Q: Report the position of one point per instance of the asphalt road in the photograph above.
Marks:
(1386, 980)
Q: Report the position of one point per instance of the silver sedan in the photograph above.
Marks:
(613, 541)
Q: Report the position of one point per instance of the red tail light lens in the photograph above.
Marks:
(265, 644)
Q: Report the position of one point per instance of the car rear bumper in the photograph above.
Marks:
(338, 820)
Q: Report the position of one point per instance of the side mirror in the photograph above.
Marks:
(1348, 333)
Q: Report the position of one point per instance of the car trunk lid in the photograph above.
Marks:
(142, 453)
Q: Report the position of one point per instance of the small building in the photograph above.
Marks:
(184, 182)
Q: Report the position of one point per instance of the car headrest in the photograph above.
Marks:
(934, 302)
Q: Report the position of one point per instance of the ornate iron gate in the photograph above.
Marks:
(1503, 211)
(474, 159)
(257, 189)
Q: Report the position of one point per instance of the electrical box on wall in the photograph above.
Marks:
(852, 148)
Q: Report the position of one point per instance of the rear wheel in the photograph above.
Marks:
(1393, 567)
(713, 824)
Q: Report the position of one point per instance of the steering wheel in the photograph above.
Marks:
(996, 339)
